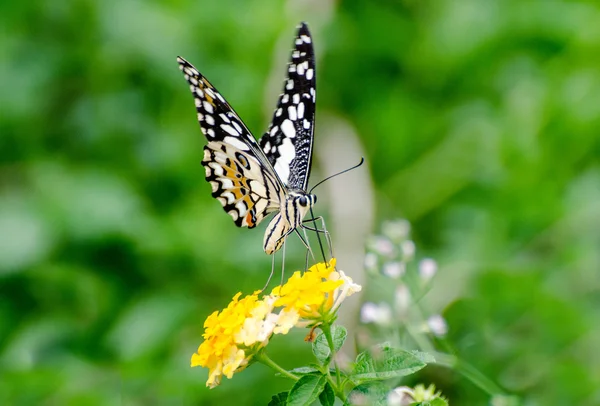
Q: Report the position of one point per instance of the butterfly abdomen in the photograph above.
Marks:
(289, 217)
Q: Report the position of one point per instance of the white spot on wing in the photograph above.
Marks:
(288, 153)
(309, 74)
(236, 142)
(227, 183)
(229, 196)
(208, 107)
(241, 206)
(292, 113)
(301, 110)
(237, 127)
(229, 129)
(288, 129)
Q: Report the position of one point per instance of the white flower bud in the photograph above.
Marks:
(427, 269)
(437, 325)
(394, 269)
(408, 250)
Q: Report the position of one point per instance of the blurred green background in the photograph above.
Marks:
(480, 123)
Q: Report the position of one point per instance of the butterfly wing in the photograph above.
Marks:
(288, 142)
(239, 173)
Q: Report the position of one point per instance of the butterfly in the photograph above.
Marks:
(254, 179)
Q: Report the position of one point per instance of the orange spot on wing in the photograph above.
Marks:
(249, 219)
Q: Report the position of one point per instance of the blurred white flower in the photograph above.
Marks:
(370, 261)
(394, 269)
(408, 250)
(427, 269)
(402, 299)
(437, 325)
(373, 313)
(400, 396)
(396, 230)
(383, 246)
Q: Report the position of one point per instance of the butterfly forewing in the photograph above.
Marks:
(251, 180)
(241, 178)
(289, 140)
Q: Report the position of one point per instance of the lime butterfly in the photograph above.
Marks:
(253, 179)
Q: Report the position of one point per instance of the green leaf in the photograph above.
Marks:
(423, 356)
(279, 400)
(339, 334)
(384, 362)
(373, 394)
(304, 370)
(327, 397)
(306, 390)
(321, 347)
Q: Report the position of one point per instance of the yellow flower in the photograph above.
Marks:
(234, 335)
(312, 298)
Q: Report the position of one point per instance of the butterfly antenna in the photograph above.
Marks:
(314, 221)
(362, 161)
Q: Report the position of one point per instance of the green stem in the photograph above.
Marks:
(264, 359)
(470, 372)
(327, 331)
(326, 328)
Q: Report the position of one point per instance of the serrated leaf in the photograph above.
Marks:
(303, 371)
(384, 362)
(321, 347)
(372, 394)
(279, 400)
(423, 356)
(327, 397)
(306, 390)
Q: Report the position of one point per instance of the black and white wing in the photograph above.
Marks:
(240, 175)
(288, 142)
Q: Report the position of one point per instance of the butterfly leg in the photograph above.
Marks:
(322, 230)
(306, 243)
(271, 274)
(283, 263)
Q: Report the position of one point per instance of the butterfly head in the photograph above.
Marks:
(301, 202)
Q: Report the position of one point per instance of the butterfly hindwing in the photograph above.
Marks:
(240, 175)
(289, 140)
(240, 183)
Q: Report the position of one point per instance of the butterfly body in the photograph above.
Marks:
(251, 178)
(289, 217)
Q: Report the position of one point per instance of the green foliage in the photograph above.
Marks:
(479, 122)
(307, 390)
(321, 347)
(383, 363)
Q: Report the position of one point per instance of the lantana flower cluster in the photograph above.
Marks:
(235, 335)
